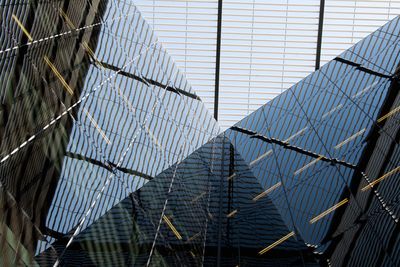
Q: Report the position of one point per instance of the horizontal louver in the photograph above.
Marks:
(267, 45)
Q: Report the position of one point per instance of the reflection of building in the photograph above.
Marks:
(330, 142)
(308, 179)
(31, 96)
(379, 218)
(92, 108)
(214, 217)
(109, 158)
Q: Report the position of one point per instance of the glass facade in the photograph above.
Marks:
(92, 108)
(328, 147)
(109, 158)
(192, 214)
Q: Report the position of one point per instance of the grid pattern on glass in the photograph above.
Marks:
(295, 182)
(327, 142)
(93, 108)
(199, 206)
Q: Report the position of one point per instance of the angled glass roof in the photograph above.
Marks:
(109, 158)
(92, 108)
(292, 184)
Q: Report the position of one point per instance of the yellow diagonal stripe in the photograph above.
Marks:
(351, 138)
(370, 185)
(93, 121)
(323, 214)
(231, 214)
(57, 73)
(308, 165)
(266, 192)
(91, 53)
(173, 229)
(283, 239)
(67, 20)
(389, 114)
(22, 28)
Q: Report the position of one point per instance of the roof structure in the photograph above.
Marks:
(238, 55)
(109, 158)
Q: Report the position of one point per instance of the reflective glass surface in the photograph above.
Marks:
(195, 213)
(330, 143)
(92, 108)
(108, 158)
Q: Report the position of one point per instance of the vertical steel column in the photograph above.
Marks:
(319, 38)
(218, 59)
(220, 206)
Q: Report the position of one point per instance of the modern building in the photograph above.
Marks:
(193, 214)
(309, 179)
(238, 54)
(92, 109)
(109, 158)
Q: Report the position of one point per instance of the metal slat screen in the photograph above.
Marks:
(267, 46)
